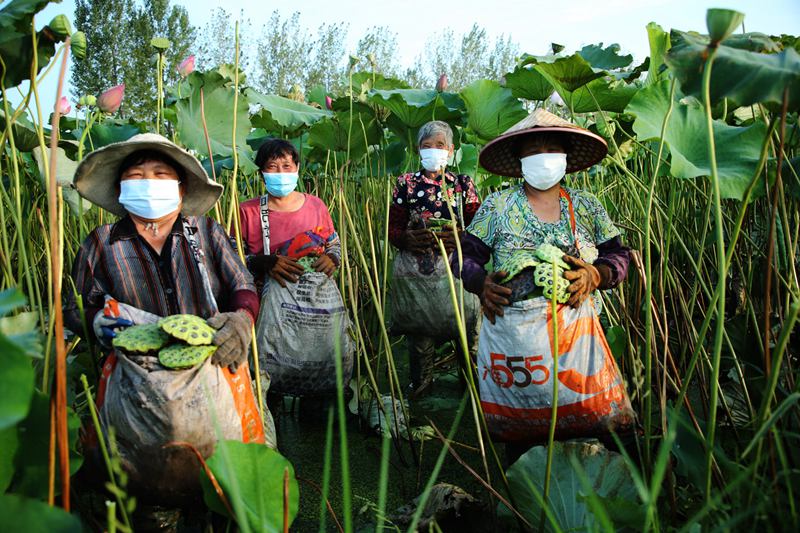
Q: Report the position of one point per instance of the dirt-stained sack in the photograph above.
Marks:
(421, 302)
(152, 409)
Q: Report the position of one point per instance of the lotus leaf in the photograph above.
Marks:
(252, 476)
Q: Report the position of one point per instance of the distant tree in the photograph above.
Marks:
(118, 34)
(216, 42)
(283, 54)
(327, 57)
(381, 42)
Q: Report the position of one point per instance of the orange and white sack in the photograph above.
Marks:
(515, 374)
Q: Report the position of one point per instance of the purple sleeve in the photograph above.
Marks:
(616, 257)
(475, 254)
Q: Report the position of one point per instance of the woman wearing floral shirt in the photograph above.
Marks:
(419, 203)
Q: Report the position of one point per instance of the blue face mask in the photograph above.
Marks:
(150, 199)
(280, 183)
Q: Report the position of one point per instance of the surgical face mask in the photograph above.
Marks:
(434, 159)
(280, 183)
(542, 171)
(150, 199)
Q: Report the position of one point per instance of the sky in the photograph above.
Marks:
(532, 24)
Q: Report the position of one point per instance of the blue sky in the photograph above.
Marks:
(533, 24)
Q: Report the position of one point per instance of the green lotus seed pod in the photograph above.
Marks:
(188, 328)
(160, 43)
(141, 339)
(181, 356)
(78, 46)
(60, 26)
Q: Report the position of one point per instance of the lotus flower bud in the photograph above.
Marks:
(78, 45)
(60, 26)
(63, 106)
(186, 67)
(328, 103)
(441, 85)
(110, 100)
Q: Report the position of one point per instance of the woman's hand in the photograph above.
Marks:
(417, 240)
(585, 279)
(286, 269)
(325, 264)
(494, 296)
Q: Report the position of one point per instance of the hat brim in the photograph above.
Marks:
(500, 155)
(96, 177)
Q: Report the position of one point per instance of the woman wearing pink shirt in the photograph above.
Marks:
(292, 250)
(291, 213)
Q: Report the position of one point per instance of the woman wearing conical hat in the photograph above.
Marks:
(514, 363)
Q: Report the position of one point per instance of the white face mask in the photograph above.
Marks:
(150, 199)
(542, 171)
(434, 159)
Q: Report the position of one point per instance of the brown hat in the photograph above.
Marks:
(96, 176)
(500, 155)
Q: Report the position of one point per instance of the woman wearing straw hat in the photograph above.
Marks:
(161, 258)
(516, 366)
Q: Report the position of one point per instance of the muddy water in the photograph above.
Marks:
(301, 427)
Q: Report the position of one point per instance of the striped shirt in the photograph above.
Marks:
(114, 260)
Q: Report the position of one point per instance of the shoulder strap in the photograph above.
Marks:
(564, 194)
(265, 222)
(197, 252)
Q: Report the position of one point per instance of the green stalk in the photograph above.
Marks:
(554, 411)
(343, 447)
(326, 472)
(722, 273)
(383, 483)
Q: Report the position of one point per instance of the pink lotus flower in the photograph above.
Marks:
(186, 67)
(63, 106)
(441, 85)
(329, 103)
(110, 100)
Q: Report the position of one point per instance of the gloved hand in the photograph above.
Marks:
(585, 279)
(232, 338)
(449, 237)
(116, 315)
(417, 240)
(494, 295)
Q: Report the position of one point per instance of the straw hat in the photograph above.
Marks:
(500, 155)
(96, 176)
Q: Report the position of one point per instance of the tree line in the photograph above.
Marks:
(282, 57)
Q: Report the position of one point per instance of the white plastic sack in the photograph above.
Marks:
(515, 374)
(297, 330)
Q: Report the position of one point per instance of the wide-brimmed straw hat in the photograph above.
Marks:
(500, 156)
(96, 176)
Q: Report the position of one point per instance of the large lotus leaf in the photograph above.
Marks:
(606, 472)
(372, 80)
(219, 105)
(9, 442)
(605, 58)
(415, 107)
(21, 329)
(737, 149)
(528, 83)
(15, 41)
(65, 172)
(25, 514)
(30, 461)
(741, 75)
(251, 476)
(600, 94)
(358, 131)
(109, 131)
(16, 371)
(466, 158)
(491, 109)
(25, 137)
(282, 115)
(569, 73)
(659, 44)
